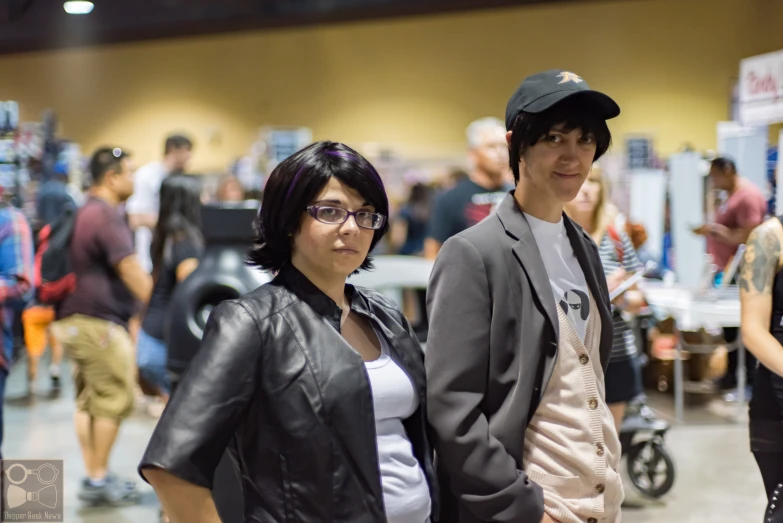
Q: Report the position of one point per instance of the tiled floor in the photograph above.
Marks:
(717, 480)
(43, 429)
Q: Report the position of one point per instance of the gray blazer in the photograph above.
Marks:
(491, 350)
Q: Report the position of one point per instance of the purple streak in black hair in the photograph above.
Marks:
(344, 155)
(339, 154)
(293, 182)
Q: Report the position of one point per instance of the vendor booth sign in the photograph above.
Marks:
(761, 89)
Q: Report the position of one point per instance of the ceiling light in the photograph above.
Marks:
(78, 7)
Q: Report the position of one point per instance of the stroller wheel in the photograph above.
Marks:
(651, 469)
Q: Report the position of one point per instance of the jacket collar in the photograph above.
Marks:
(510, 215)
(293, 279)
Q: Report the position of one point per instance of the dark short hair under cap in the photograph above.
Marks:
(572, 113)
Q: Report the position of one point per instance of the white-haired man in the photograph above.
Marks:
(473, 198)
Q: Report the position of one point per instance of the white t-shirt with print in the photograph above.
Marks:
(565, 274)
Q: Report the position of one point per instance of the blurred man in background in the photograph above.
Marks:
(93, 322)
(743, 209)
(16, 283)
(142, 207)
(473, 198)
(51, 202)
(53, 196)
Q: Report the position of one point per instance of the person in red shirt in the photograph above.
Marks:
(743, 210)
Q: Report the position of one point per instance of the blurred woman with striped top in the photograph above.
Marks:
(592, 210)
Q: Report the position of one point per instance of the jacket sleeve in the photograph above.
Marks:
(16, 263)
(209, 401)
(482, 475)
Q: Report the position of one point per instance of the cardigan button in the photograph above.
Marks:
(583, 359)
(600, 488)
(593, 404)
(599, 449)
(592, 520)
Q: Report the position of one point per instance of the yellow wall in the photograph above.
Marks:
(413, 83)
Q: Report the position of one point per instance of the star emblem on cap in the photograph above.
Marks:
(569, 77)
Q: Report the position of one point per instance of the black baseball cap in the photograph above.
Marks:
(541, 91)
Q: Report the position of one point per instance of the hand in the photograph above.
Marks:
(634, 301)
(702, 230)
(548, 519)
(616, 278)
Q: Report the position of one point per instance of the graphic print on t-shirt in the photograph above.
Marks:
(569, 288)
(576, 306)
(463, 206)
(481, 205)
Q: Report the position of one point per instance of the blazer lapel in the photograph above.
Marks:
(526, 251)
(592, 275)
(529, 257)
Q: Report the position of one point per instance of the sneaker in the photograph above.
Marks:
(733, 396)
(726, 383)
(32, 389)
(129, 483)
(115, 492)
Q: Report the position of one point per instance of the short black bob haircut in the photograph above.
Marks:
(572, 113)
(295, 183)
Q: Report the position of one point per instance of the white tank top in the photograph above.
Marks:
(405, 490)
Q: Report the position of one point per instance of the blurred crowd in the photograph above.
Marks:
(137, 235)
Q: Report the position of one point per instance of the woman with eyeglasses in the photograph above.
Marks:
(316, 387)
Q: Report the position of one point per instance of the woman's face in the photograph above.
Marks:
(233, 192)
(558, 164)
(589, 195)
(330, 249)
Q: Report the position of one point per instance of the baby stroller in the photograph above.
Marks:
(650, 466)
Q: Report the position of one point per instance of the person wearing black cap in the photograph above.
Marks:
(521, 331)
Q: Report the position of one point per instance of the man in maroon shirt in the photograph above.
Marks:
(93, 322)
(743, 210)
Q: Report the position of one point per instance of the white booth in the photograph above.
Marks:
(759, 104)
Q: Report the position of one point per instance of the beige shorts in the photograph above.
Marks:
(102, 353)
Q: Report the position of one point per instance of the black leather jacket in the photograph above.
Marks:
(276, 383)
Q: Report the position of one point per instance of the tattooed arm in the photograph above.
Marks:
(760, 264)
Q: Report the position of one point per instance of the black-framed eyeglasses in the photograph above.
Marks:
(338, 215)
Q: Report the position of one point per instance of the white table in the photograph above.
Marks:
(718, 308)
(394, 273)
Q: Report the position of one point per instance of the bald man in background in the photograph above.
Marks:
(476, 196)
